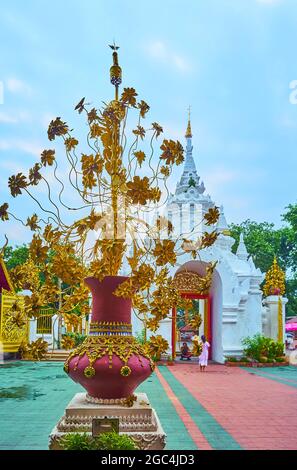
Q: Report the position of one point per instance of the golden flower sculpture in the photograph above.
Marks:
(105, 221)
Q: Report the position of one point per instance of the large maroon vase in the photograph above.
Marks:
(109, 364)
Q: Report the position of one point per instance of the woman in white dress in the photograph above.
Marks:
(203, 358)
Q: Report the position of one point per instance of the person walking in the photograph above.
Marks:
(203, 358)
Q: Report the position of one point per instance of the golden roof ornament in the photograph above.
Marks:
(274, 280)
(189, 130)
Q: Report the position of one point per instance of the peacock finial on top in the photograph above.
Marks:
(115, 70)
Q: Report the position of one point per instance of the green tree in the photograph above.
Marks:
(264, 241)
(290, 217)
(15, 256)
(291, 294)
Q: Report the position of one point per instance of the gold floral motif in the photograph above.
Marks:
(129, 401)
(89, 372)
(125, 371)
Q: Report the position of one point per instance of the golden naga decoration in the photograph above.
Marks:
(109, 223)
(274, 280)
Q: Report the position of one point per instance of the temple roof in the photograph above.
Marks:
(189, 184)
(5, 281)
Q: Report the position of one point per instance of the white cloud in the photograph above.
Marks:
(26, 146)
(8, 118)
(219, 177)
(10, 166)
(14, 85)
(160, 51)
(288, 122)
(14, 118)
(15, 232)
(269, 2)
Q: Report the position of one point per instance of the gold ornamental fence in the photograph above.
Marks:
(45, 321)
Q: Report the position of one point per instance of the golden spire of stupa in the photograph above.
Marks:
(189, 130)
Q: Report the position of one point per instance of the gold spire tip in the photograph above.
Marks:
(189, 130)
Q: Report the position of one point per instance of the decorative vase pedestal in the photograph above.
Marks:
(110, 364)
(140, 421)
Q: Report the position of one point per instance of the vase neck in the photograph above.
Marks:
(107, 307)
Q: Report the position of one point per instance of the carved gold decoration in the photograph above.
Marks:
(110, 328)
(89, 372)
(274, 280)
(95, 347)
(125, 371)
(191, 282)
(13, 329)
(129, 401)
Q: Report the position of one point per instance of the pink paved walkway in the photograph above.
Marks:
(258, 412)
(194, 432)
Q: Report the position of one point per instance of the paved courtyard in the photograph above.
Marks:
(223, 408)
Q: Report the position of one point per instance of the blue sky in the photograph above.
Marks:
(232, 60)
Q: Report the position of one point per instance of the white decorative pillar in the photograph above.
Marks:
(32, 330)
(272, 318)
(55, 331)
(265, 321)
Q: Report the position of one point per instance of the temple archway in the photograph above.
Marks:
(188, 280)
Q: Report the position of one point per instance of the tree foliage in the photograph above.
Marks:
(15, 256)
(264, 241)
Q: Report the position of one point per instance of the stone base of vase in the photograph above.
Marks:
(139, 421)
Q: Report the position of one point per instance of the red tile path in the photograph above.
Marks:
(194, 432)
(258, 412)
